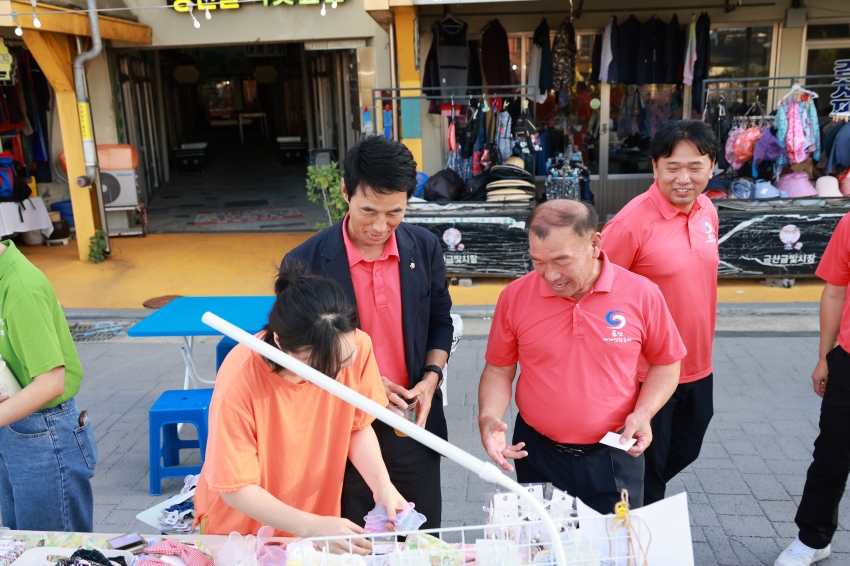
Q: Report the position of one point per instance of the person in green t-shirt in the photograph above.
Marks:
(47, 447)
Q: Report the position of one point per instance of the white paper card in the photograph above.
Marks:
(612, 439)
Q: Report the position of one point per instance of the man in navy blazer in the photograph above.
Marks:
(396, 274)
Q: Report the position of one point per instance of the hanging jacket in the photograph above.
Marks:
(475, 78)
(703, 39)
(495, 54)
(452, 59)
(541, 38)
(650, 59)
(628, 42)
(430, 77)
(674, 52)
(564, 51)
(596, 58)
(608, 61)
(690, 54)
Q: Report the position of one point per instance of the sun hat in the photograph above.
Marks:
(828, 187)
(797, 185)
(764, 189)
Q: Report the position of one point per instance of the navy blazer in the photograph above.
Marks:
(425, 301)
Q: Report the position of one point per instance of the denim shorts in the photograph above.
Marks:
(46, 463)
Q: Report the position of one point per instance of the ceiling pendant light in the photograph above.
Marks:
(195, 21)
(323, 9)
(35, 21)
(18, 30)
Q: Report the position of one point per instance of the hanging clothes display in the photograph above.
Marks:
(564, 52)
(690, 53)
(628, 42)
(608, 61)
(703, 55)
(798, 133)
(543, 76)
(495, 54)
(650, 60)
(452, 52)
(596, 58)
(674, 52)
(474, 76)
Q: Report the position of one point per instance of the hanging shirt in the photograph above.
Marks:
(673, 52)
(650, 64)
(628, 42)
(609, 47)
(543, 40)
(690, 54)
(495, 54)
(564, 51)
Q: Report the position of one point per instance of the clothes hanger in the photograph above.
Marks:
(450, 23)
(797, 90)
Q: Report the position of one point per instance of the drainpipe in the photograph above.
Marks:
(92, 177)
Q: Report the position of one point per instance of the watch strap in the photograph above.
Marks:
(436, 369)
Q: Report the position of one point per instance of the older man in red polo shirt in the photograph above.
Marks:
(669, 235)
(577, 325)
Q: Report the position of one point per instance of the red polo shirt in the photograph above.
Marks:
(579, 359)
(678, 252)
(834, 268)
(377, 287)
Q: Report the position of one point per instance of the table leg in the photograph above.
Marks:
(241, 135)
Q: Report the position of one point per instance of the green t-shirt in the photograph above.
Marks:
(34, 335)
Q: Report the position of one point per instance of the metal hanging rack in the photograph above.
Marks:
(711, 86)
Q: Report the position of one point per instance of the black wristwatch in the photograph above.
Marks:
(436, 369)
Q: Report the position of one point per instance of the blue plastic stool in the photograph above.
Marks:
(222, 349)
(174, 407)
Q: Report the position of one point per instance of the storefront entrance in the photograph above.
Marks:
(240, 126)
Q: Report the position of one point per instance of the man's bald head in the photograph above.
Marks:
(563, 213)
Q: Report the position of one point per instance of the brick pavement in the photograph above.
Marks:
(743, 491)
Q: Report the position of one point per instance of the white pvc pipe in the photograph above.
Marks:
(485, 470)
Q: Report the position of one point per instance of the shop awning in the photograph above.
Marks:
(72, 22)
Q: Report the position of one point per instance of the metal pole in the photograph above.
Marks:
(86, 129)
(160, 110)
(393, 78)
(308, 108)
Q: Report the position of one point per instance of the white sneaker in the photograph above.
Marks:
(798, 554)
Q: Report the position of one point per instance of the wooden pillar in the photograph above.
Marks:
(404, 22)
(55, 56)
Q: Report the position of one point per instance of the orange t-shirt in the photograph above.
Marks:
(291, 440)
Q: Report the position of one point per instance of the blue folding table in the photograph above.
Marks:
(182, 317)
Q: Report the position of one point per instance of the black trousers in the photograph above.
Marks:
(817, 516)
(677, 433)
(597, 479)
(414, 470)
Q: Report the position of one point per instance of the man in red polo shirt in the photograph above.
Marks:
(669, 235)
(396, 275)
(577, 325)
(817, 516)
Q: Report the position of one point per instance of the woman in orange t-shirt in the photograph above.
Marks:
(277, 444)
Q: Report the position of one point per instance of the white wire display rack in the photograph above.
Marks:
(541, 535)
(590, 541)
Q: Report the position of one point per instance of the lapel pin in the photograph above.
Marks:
(412, 264)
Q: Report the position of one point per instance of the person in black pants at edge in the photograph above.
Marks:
(817, 516)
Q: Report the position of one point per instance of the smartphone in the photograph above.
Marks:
(133, 542)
